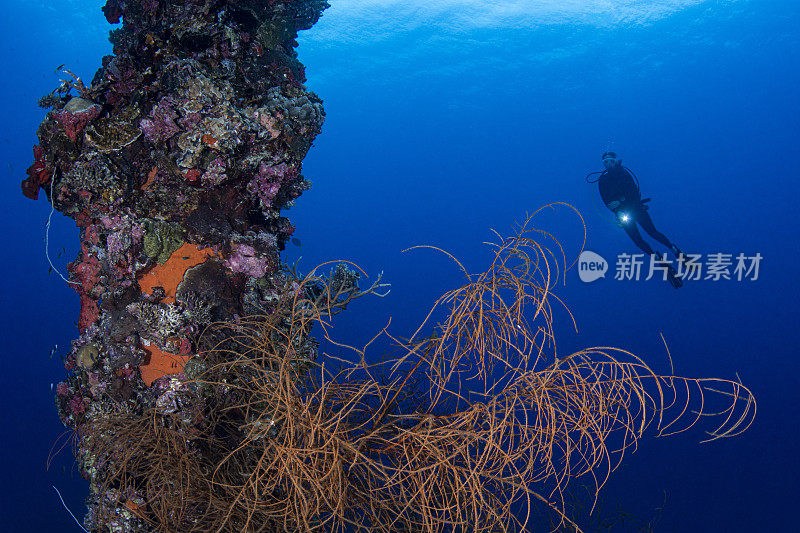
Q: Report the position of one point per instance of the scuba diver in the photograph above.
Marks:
(619, 189)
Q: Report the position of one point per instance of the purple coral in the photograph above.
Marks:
(160, 125)
(118, 243)
(245, 260)
(269, 180)
(62, 389)
(170, 389)
(214, 174)
(123, 78)
(77, 405)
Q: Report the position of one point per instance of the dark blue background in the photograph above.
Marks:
(434, 134)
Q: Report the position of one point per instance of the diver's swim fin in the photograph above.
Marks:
(673, 278)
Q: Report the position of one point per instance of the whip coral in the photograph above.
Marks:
(471, 423)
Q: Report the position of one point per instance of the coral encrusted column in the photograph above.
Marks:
(175, 163)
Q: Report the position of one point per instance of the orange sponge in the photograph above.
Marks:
(170, 274)
(160, 363)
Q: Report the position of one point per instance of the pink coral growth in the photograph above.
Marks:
(89, 312)
(160, 125)
(76, 115)
(269, 180)
(185, 347)
(245, 260)
(270, 123)
(124, 233)
(86, 270)
(109, 222)
(77, 405)
(62, 389)
(91, 235)
(117, 243)
(214, 174)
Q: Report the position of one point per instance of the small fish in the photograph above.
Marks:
(296, 241)
(51, 387)
(50, 270)
(53, 349)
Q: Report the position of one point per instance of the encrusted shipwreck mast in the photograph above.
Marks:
(175, 163)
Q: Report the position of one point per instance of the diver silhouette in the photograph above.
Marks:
(619, 189)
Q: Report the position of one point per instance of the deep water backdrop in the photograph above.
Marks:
(449, 117)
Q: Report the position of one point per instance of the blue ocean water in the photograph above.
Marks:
(450, 117)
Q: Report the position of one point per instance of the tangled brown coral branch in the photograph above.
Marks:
(473, 425)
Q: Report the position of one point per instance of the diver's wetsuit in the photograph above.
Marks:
(621, 194)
